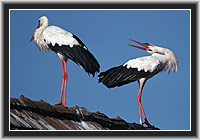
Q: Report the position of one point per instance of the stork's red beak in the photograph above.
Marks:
(31, 38)
(33, 35)
(143, 48)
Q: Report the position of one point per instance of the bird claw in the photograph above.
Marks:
(61, 104)
(147, 123)
(142, 124)
(65, 106)
(58, 103)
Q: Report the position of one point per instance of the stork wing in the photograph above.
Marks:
(70, 46)
(57, 35)
(129, 72)
(147, 63)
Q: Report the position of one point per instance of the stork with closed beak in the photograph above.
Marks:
(140, 69)
(67, 46)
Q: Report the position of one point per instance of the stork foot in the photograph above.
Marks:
(65, 106)
(142, 124)
(58, 103)
(147, 123)
(61, 104)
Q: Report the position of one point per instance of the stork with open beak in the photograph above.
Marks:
(140, 69)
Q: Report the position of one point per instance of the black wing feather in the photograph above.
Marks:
(121, 75)
(79, 55)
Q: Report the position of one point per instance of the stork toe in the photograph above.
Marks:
(147, 123)
(58, 103)
(65, 106)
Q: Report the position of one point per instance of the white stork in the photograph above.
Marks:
(67, 46)
(140, 69)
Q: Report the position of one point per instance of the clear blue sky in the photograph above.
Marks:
(106, 33)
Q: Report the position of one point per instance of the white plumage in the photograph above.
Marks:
(67, 46)
(140, 69)
(53, 35)
(147, 63)
(166, 61)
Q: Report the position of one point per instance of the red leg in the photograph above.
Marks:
(141, 108)
(60, 102)
(140, 104)
(141, 122)
(65, 75)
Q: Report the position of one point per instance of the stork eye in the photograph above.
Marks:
(149, 50)
(147, 44)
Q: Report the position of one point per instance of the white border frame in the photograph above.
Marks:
(100, 10)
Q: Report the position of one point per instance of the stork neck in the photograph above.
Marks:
(39, 30)
(163, 51)
(168, 57)
(43, 26)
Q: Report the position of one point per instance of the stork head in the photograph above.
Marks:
(147, 46)
(43, 22)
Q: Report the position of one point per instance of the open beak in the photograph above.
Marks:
(33, 35)
(143, 48)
